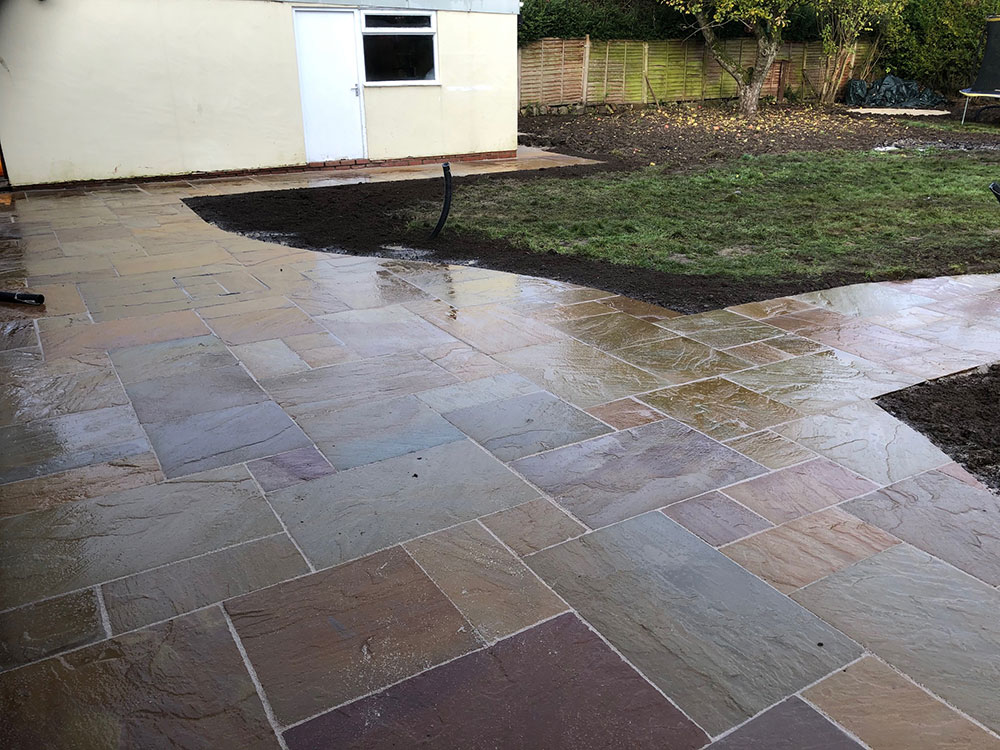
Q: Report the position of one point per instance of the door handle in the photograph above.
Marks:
(356, 88)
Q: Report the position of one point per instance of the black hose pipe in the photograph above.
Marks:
(995, 189)
(447, 200)
(25, 298)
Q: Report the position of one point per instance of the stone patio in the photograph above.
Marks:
(254, 496)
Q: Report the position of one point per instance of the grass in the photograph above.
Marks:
(951, 126)
(886, 215)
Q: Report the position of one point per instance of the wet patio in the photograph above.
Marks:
(254, 496)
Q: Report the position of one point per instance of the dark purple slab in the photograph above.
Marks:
(791, 725)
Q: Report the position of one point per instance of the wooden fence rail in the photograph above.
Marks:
(557, 72)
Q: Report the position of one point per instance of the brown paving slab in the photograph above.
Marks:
(66, 267)
(614, 331)
(970, 336)
(142, 303)
(332, 518)
(812, 318)
(240, 306)
(816, 383)
(354, 383)
(383, 330)
(211, 439)
(791, 725)
(177, 396)
(367, 433)
(119, 334)
(938, 362)
(489, 328)
(165, 359)
(767, 308)
(799, 490)
(681, 360)
(958, 472)
(320, 349)
(58, 444)
(941, 515)
(864, 300)
(181, 682)
(625, 413)
(292, 467)
(888, 712)
(17, 334)
(79, 484)
(758, 353)
(558, 685)
(32, 389)
(908, 318)
(794, 345)
(719, 408)
(88, 233)
(357, 291)
(519, 426)
(579, 373)
(640, 309)
(347, 631)
(799, 552)
(264, 324)
(870, 341)
(934, 622)
(463, 361)
(60, 299)
(477, 392)
(868, 440)
(574, 311)
(270, 359)
(174, 260)
(617, 476)
(181, 587)
(38, 630)
(721, 643)
(721, 328)
(533, 526)
(770, 449)
(490, 586)
(75, 545)
(716, 518)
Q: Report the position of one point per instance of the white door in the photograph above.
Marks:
(329, 84)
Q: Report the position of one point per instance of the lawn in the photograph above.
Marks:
(898, 214)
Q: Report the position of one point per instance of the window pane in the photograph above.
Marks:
(397, 22)
(389, 57)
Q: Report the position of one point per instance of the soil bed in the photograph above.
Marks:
(958, 414)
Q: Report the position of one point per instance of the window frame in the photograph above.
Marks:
(400, 31)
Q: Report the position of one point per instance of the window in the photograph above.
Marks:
(400, 48)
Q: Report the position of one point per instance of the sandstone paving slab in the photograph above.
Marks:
(758, 353)
(934, 622)
(292, 467)
(476, 392)
(716, 518)
(573, 312)
(972, 336)
(80, 544)
(799, 490)
(873, 342)
(614, 331)
(187, 394)
(520, 426)
(799, 552)
(489, 328)
(868, 440)
(533, 526)
(32, 389)
(332, 291)
(888, 712)
(38, 630)
(817, 383)
(640, 309)
(491, 587)
(721, 328)
(791, 725)
(270, 359)
(17, 334)
(367, 433)
(553, 686)
(941, 515)
(120, 334)
(80, 483)
(347, 631)
(70, 441)
(864, 300)
(138, 364)
(383, 330)
(263, 325)
(181, 682)
(625, 413)
(320, 349)
(353, 383)
(463, 361)
(719, 408)
(769, 308)
(681, 360)
(181, 587)
(579, 373)
(356, 512)
(721, 643)
(210, 439)
(771, 449)
(617, 476)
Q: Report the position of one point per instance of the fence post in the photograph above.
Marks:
(645, 72)
(586, 69)
(607, 58)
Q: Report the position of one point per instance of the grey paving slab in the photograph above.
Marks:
(617, 476)
(720, 642)
(176, 396)
(477, 392)
(930, 620)
(791, 725)
(352, 513)
(139, 363)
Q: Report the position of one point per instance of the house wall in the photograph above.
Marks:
(103, 89)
